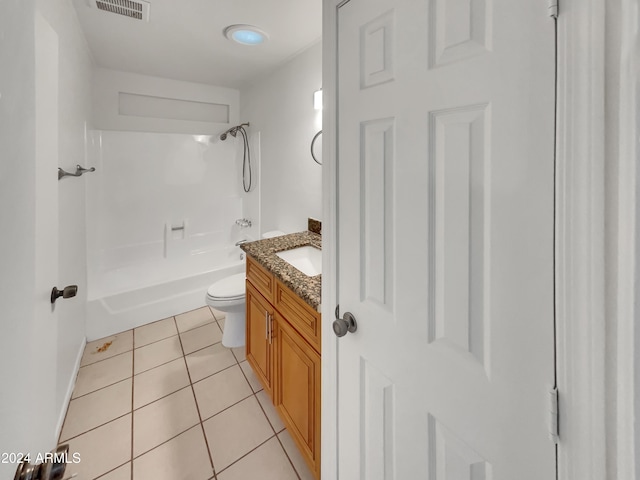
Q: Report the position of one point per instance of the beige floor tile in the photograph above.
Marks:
(107, 347)
(154, 331)
(296, 457)
(267, 462)
(104, 373)
(154, 354)
(256, 386)
(208, 361)
(164, 419)
(221, 323)
(97, 408)
(220, 391)
(236, 431)
(159, 382)
(239, 353)
(200, 337)
(182, 458)
(121, 473)
(270, 411)
(217, 313)
(194, 319)
(102, 449)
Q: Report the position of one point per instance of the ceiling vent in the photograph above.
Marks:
(137, 9)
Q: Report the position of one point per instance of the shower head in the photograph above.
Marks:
(233, 131)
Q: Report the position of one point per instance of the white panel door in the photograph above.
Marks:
(445, 226)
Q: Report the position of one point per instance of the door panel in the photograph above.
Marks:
(298, 396)
(445, 226)
(259, 352)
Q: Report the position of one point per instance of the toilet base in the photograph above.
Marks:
(233, 334)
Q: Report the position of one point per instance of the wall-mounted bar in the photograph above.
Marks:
(79, 172)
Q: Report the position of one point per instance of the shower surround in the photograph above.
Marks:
(161, 211)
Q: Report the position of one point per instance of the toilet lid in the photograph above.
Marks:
(229, 287)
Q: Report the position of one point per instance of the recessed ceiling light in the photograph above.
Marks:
(245, 34)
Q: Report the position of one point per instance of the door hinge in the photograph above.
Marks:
(553, 8)
(554, 430)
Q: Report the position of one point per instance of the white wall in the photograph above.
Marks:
(74, 100)
(17, 191)
(107, 84)
(280, 108)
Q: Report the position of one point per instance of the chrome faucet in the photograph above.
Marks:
(243, 222)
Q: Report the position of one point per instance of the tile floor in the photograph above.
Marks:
(167, 401)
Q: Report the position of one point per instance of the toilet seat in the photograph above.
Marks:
(229, 288)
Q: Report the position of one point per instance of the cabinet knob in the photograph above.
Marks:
(341, 326)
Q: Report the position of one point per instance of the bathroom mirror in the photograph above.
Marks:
(316, 148)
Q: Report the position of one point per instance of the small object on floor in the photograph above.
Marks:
(104, 347)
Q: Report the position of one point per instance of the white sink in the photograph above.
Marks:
(307, 259)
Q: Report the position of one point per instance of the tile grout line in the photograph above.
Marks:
(112, 356)
(155, 341)
(249, 452)
(156, 366)
(102, 475)
(134, 347)
(193, 392)
(276, 434)
(104, 359)
(101, 388)
(295, 470)
(237, 362)
(195, 425)
(227, 408)
(97, 427)
(219, 371)
(247, 379)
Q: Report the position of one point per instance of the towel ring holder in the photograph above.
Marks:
(313, 153)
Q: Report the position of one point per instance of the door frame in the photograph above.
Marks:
(580, 246)
(580, 240)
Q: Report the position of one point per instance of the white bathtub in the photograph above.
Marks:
(129, 296)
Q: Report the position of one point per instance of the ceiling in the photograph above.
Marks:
(183, 39)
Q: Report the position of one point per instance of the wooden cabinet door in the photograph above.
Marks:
(297, 393)
(258, 343)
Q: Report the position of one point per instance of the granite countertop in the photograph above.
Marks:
(264, 252)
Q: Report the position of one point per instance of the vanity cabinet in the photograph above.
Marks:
(283, 348)
(259, 341)
(297, 390)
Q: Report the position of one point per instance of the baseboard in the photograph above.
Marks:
(72, 384)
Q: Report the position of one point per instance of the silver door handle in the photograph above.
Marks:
(341, 326)
(67, 292)
(266, 325)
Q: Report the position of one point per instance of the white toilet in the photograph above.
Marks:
(228, 296)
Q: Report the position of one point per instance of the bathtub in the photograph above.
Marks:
(127, 296)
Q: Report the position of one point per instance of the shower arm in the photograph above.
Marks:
(233, 131)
